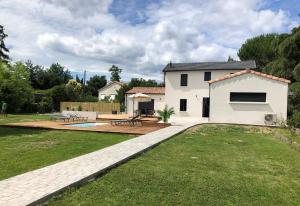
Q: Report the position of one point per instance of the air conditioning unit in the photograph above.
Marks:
(270, 119)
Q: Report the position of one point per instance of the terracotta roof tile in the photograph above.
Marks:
(147, 90)
(248, 71)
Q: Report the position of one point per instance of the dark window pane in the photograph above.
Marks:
(205, 107)
(184, 80)
(183, 104)
(247, 97)
(207, 76)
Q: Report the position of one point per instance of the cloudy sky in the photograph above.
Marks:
(140, 36)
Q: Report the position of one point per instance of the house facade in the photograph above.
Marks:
(248, 97)
(110, 90)
(225, 92)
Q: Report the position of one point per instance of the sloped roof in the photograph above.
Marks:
(109, 84)
(147, 90)
(248, 71)
(235, 65)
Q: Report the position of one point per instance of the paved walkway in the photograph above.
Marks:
(36, 186)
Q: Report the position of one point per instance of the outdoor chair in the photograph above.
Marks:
(60, 117)
(131, 122)
(80, 118)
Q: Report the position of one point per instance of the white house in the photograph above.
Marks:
(157, 101)
(110, 90)
(248, 97)
(225, 92)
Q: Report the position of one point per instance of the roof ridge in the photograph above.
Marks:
(211, 62)
(249, 71)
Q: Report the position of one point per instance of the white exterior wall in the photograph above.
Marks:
(159, 103)
(222, 111)
(194, 92)
(110, 91)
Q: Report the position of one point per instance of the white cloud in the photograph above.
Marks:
(84, 34)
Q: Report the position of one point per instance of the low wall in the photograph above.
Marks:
(90, 115)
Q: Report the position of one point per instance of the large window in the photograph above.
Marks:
(183, 105)
(248, 97)
(183, 80)
(207, 76)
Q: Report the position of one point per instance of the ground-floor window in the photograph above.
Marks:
(248, 96)
(205, 107)
(183, 105)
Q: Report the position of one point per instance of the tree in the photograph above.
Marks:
(115, 73)
(78, 79)
(57, 75)
(36, 75)
(166, 113)
(262, 49)
(296, 72)
(3, 49)
(46, 78)
(73, 90)
(230, 59)
(95, 83)
(120, 97)
(15, 88)
(140, 82)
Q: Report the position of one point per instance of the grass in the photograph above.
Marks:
(24, 149)
(293, 136)
(11, 118)
(207, 165)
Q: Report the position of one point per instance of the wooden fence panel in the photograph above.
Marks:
(90, 106)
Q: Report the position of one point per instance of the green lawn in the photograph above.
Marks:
(208, 165)
(293, 136)
(11, 118)
(24, 149)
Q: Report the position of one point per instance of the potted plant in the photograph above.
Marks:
(166, 113)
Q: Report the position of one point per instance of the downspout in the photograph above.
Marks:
(209, 102)
(126, 110)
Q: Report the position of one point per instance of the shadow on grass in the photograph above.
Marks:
(15, 131)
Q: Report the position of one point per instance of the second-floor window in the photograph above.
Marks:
(183, 80)
(207, 76)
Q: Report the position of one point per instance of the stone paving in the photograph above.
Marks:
(37, 186)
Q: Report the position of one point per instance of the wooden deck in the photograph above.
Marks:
(135, 130)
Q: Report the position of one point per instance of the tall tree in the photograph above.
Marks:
(262, 49)
(58, 75)
(140, 82)
(230, 59)
(78, 79)
(95, 83)
(3, 49)
(15, 87)
(115, 73)
(37, 75)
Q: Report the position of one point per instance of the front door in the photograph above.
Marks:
(205, 107)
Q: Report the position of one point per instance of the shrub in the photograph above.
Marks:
(294, 120)
(166, 113)
(46, 105)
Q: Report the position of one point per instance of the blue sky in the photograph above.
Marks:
(140, 37)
